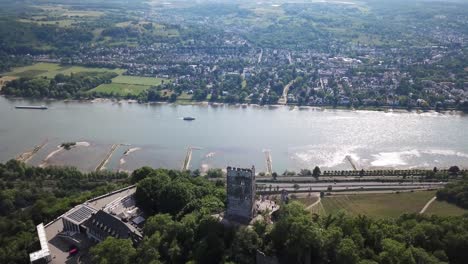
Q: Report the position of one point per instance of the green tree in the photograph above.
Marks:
(148, 251)
(140, 174)
(149, 190)
(316, 172)
(214, 173)
(296, 186)
(244, 246)
(113, 251)
(395, 252)
(347, 252)
(210, 246)
(175, 196)
(295, 236)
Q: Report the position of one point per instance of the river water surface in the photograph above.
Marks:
(156, 135)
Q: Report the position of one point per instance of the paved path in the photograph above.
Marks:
(284, 97)
(314, 204)
(428, 204)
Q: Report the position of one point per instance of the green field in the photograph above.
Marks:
(61, 16)
(121, 89)
(445, 208)
(375, 205)
(306, 200)
(56, 10)
(121, 85)
(60, 23)
(35, 70)
(49, 70)
(138, 80)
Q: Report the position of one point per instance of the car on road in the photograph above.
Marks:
(73, 250)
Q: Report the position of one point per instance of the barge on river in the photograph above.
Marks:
(37, 107)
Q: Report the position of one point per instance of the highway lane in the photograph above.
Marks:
(351, 186)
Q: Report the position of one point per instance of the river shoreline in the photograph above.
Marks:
(244, 105)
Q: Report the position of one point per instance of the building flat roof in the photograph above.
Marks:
(138, 220)
(80, 213)
(101, 203)
(44, 252)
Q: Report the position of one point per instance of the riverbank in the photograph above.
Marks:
(244, 105)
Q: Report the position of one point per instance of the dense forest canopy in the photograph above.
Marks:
(181, 229)
(456, 193)
(31, 195)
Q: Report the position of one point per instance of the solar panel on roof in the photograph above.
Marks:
(81, 214)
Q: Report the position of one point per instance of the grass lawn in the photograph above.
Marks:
(445, 209)
(30, 73)
(121, 89)
(184, 96)
(377, 205)
(69, 69)
(38, 69)
(138, 80)
(306, 200)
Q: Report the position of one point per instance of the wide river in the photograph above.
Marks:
(156, 135)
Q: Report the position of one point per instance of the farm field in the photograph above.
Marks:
(60, 23)
(70, 69)
(61, 16)
(376, 205)
(125, 79)
(49, 70)
(121, 89)
(61, 10)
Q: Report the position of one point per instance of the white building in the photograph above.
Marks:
(42, 255)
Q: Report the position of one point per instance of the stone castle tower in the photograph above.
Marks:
(240, 194)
